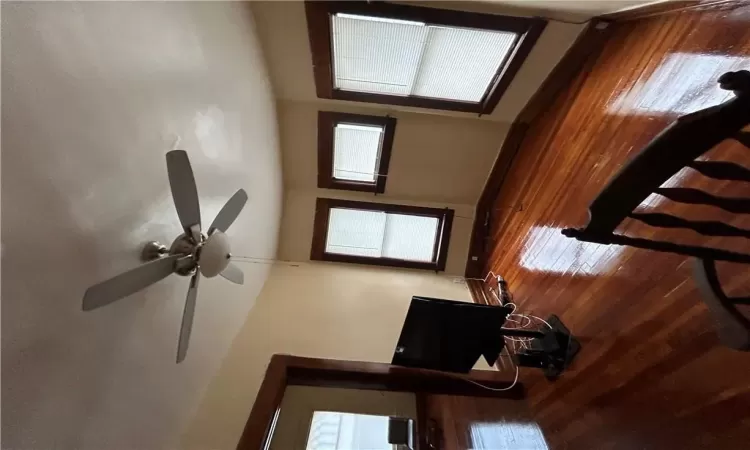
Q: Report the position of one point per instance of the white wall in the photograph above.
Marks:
(93, 95)
(318, 310)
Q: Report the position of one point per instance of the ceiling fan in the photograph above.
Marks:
(193, 253)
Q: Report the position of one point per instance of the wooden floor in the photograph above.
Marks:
(651, 374)
(481, 423)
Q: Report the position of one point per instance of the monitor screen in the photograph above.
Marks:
(449, 335)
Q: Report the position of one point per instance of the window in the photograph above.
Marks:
(346, 431)
(354, 151)
(381, 234)
(414, 56)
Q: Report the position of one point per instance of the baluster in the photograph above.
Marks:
(698, 197)
(721, 170)
(706, 228)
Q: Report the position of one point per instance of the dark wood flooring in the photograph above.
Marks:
(651, 374)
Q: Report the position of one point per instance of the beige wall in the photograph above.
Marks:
(296, 233)
(93, 96)
(434, 158)
(321, 310)
(300, 402)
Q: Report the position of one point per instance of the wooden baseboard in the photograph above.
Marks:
(667, 7)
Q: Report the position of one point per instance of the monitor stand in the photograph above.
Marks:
(551, 350)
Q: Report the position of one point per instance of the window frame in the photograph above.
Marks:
(327, 122)
(319, 33)
(323, 208)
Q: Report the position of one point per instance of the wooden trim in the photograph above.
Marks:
(259, 425)
(580, 55)
(511, 66)
(327, 122)
(287, 370)
(320, 233)
(480, 231)
(578, 58)
(667, 7)
(422, 429)
(444, 238)
(319, 32)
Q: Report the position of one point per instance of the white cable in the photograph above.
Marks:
(513, 340)
(512, 385)
(542, 320)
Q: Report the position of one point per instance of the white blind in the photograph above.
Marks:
(376, 56)
(410, 58)
(356, 232)
(377, 234)
(356, 152)
(459, 63)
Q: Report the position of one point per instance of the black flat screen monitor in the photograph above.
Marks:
(449, 335)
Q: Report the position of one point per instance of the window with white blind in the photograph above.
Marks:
(415, 56)
(381, 234)
(346, 431)
(385, 56)
(354, 151)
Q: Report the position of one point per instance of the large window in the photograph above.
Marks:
(381, 234)
(414, 56)
(354, 151)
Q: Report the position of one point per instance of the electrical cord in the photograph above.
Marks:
(512, 385)
(511, 341)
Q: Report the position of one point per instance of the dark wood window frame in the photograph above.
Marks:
(327, 122)
(319, 30)
(320, 233)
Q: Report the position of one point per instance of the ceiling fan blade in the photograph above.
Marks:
(184, 191)
(129, 282)
(187, 318)
(229, 211)
(233, 274)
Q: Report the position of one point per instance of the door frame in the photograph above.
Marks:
(287, 370)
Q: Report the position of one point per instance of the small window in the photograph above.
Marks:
(381, 234)
(415, 56)
(354, 151)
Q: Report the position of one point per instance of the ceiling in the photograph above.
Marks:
(94, 94)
